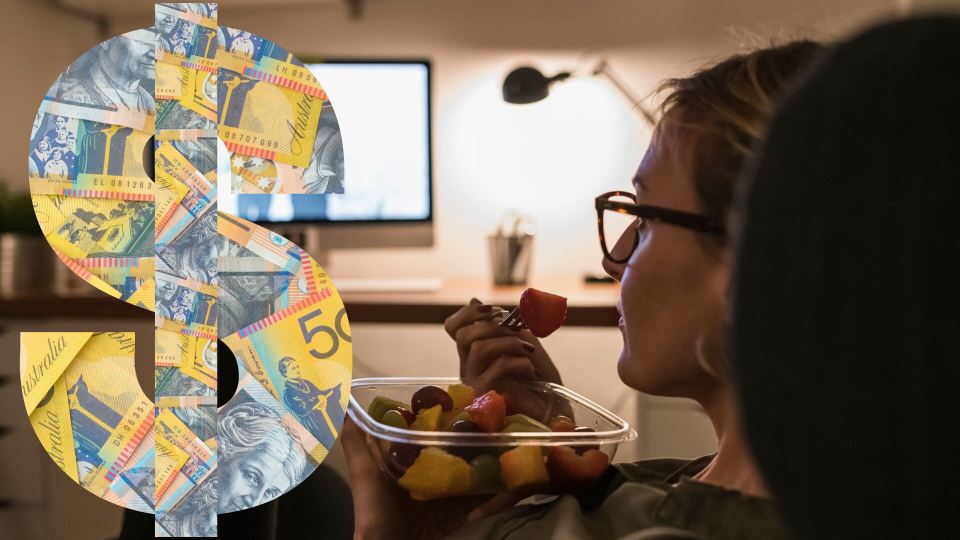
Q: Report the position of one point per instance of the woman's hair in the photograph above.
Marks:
(254, 425)
(284, 364)
(717, 116)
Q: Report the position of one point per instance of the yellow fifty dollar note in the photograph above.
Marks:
(262, 119)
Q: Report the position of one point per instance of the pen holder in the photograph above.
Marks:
(510, 257)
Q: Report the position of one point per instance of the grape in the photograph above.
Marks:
(431, 396)
(394, 418)
(465, 426)
(400, 456)
(466, 452)
(407, 414)
(485, 472)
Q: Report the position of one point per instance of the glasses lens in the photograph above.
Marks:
(615, 225)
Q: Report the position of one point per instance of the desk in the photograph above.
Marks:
(588, 304)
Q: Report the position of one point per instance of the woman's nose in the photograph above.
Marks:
(612, 269)
(621, 250)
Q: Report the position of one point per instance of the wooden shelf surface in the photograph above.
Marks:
(588, 304)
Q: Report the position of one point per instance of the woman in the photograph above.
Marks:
(259, 459)
(56, 167)
(673, 265)
(39, 157)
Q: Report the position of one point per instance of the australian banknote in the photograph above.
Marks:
(261, 83)
(84, 403)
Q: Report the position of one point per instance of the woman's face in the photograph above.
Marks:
(673, 287)
(256, 478)
(166, 289)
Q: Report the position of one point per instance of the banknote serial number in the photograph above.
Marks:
(131, 423)
(241, 138)
(121, 183)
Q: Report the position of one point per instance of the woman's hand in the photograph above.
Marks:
(382, 510)
(489, 351)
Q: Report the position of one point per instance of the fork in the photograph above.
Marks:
(513, 320)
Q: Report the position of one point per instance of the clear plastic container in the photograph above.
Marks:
(527, 459)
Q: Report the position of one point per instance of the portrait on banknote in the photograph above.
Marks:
(314, 408)
(53, 132)
(118, 72)
(240, 41)
(193, 516)
(163, 24)
(260, 459)
(325, 173)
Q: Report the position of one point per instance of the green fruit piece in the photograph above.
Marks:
(525, 420)
(381, 405)
(393, 418)
(485, 472)
(522, 428)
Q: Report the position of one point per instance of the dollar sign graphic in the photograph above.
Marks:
(212, 279)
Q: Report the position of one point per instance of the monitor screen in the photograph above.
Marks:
(383, 108)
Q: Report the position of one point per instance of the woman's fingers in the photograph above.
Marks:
(464, 316)
(469, 314)
(484, 352)
(468, 335)
(510, 367)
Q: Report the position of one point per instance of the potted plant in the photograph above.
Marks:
(26, 261)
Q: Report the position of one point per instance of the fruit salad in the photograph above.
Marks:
(462, 439)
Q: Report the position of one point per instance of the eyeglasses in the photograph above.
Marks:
(617, 211)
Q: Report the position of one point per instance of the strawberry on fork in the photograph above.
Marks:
(539, 311)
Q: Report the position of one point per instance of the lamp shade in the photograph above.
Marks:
(528, 85)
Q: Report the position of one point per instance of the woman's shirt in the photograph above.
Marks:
(631, 497)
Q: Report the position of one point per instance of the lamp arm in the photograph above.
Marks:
(603, 68)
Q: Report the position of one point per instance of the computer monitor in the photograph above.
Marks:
(383, 108)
